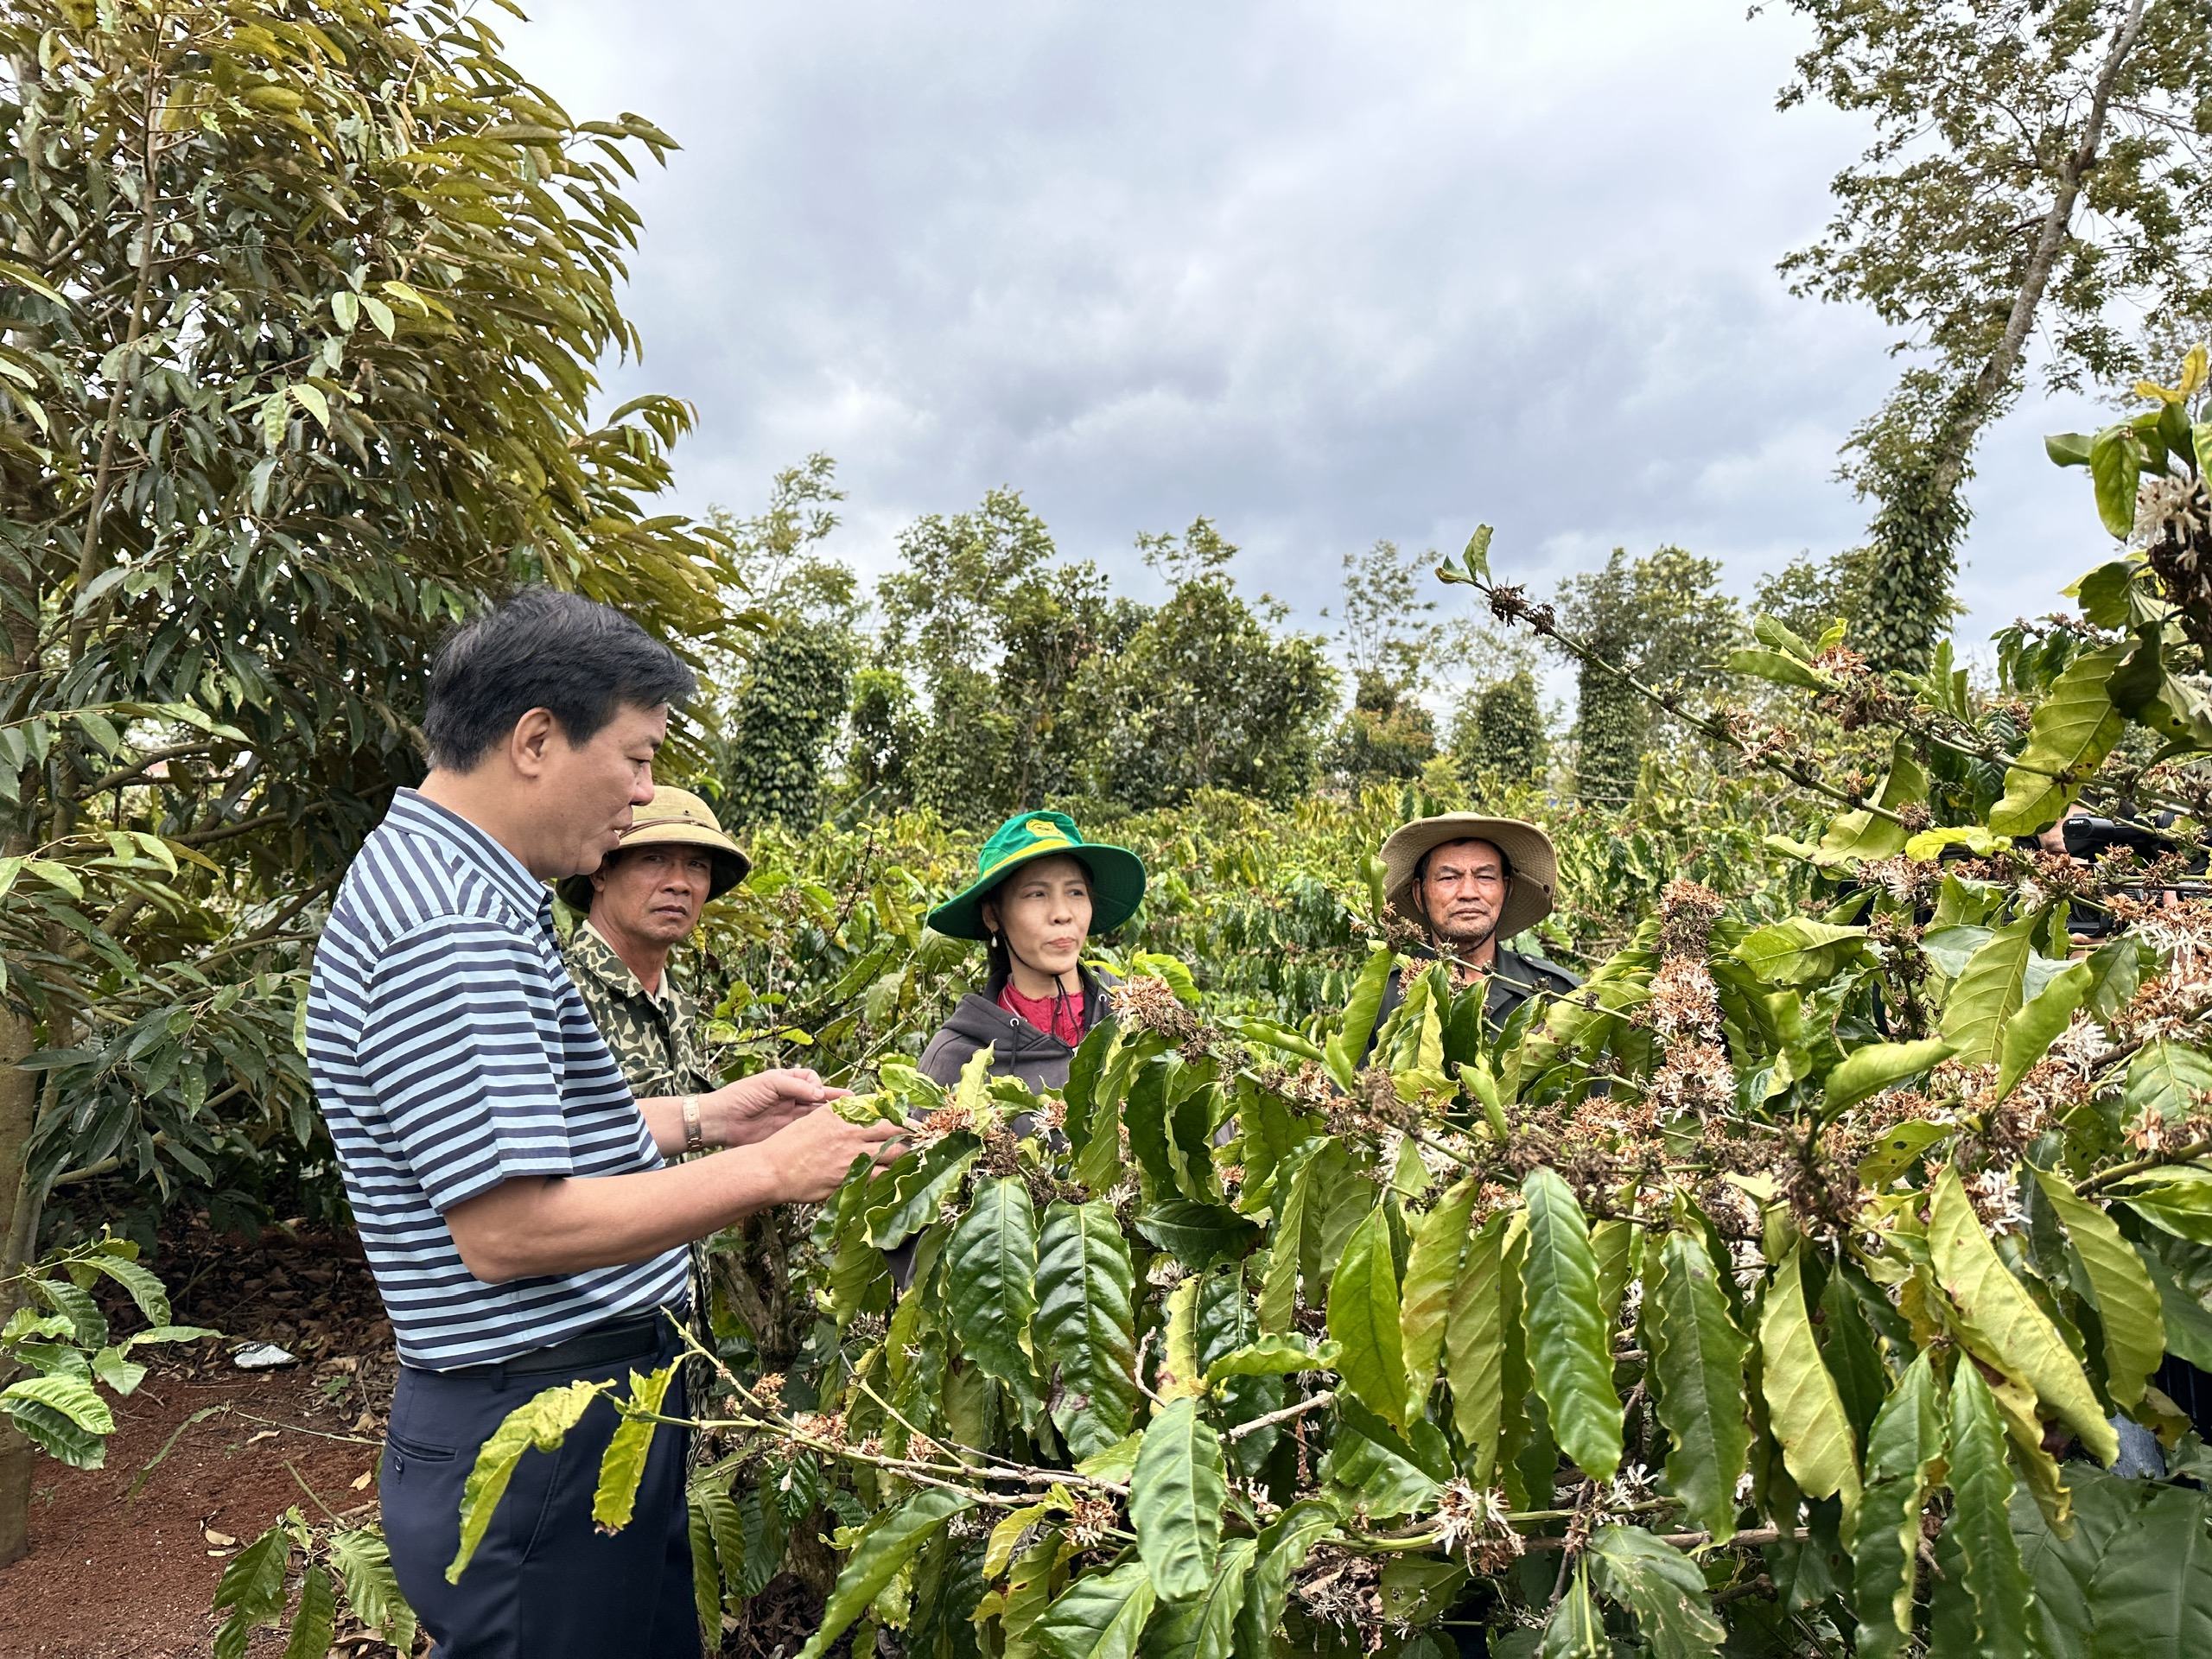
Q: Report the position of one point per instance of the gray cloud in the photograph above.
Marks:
(1323, 272)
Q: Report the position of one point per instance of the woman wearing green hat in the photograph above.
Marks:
(1040, 891)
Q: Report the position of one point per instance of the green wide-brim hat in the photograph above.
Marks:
(1116, 873)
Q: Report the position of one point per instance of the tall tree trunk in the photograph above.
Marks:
(1916, 533)
(18, 1206)
(20, 1202)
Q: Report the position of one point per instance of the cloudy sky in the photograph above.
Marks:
(1325, 272)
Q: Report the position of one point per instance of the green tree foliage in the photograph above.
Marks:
(300, 313)
(1389, 634)
(787, 713)
(1920, 516)
(1202, 692)
(776, 557)
(994, 631)
(2034, 169)
(1499, 731)
(340, 1565)
(1501, 734)
(1388, 623)
(774, 737)
(1033, 682)
(1385, 734)
(884, 731)
(61, 1342)
(1809, 596)
(1663, 618)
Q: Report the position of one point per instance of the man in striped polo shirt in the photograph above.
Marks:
(512, 1195)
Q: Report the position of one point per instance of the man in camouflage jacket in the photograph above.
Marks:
(639, 906)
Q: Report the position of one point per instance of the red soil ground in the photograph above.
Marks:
(124, 1559)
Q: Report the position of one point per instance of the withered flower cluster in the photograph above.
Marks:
(1599, 1146)
(1490, 1196)
(1308, 1088)
(1820, 1184)
(821, 1426)
(1815, 1173)
(1684, 1004)
(1904, 967)
(1536, 1133)
(1093, 1520)
(1995, 1196)
(1695, 1080)
(1730, 1209)
(2174, 527)
(1377, 1104)
(1371, 1113)
(2056, 875)
(1912, 882)
(1401, 933)
(1147, 1002)
(2182, 933)
(2051, 1088)
(1687, 914)
(1861, 698)
(1509, 603)
(1001, 1151)
(1340, 1588)
(1472, 1524)
(1890, 1107)
(927, 1131)
(1683, 1011)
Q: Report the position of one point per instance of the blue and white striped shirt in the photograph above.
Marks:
(450, 1053)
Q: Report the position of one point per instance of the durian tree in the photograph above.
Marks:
(300, 305)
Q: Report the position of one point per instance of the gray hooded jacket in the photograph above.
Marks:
(1018, 1048)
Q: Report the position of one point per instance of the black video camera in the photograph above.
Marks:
(2088, 838)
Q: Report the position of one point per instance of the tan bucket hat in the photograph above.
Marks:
(677, 816)
(1530, 857)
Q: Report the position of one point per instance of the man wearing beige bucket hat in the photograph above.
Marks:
(642, 901)
(1470, 883)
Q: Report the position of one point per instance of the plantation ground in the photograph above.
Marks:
(123, 1564)
(113, 1572)
(110, 1575)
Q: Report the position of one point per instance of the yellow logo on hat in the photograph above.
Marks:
(1046, 830)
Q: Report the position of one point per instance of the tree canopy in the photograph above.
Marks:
(2037, 172)
(299, 312)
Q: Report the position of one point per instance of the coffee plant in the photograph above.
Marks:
(340, 1566)
(1817, 1276)
(58, 1342)
(1788, 1285)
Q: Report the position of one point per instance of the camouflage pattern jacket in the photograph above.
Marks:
(652, 1039)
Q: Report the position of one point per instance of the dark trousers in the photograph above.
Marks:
(544, 1583)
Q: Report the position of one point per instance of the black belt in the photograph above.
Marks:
(634, 1337)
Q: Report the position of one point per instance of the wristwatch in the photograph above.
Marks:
(695, 1131)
